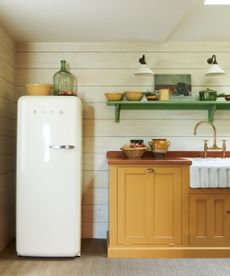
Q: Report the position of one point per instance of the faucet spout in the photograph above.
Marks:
(214, 146)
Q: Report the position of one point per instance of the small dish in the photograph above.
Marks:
(151, 98)
(227, 97)
(114, 96)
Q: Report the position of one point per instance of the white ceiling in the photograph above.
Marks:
(114, 20)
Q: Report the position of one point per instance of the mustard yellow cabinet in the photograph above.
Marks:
(154, 214)
(210, 219)
(149, 205)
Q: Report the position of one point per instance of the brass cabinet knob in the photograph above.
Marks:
(149, 170)
(228, 211)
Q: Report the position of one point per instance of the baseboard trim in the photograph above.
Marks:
(165, 252)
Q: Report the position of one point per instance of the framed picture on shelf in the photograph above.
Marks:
(178, 84)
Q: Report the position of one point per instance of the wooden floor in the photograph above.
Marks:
(94, 262)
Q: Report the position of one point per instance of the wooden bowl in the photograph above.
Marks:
(112, 96)
(134, 96)
(134, 153)
(38, 89)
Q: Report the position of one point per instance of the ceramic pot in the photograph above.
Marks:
(159, 145)
(208, 95)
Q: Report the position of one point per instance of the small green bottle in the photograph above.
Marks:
(63, 81)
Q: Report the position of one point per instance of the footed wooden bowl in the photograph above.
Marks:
(134, 96)
(112, 96)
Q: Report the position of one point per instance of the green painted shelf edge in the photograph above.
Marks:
(210, 106)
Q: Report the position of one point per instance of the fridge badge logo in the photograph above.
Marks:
(51, 111)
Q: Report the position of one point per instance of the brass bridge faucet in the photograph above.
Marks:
(214, 146)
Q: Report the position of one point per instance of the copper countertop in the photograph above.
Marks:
(118, 158)
(171, 158)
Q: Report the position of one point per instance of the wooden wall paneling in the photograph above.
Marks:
(151, 128)
(8, 108)
(7, 126)
(7, 90)
(118, 60)
(172, 46)
(104, 67)
(91, 94)
(7, 208)
(7, 71)
(7, 47)
(95, 196)
(7, 231)
(98, 111)
(96, 162)
(93, 77)
(78, 60)
(95, 94)
(100, 145)
(95, 229)
(7, 163)
(7, 139)
(7, 183)
(95, 213)
(86, 47)
(7, 145)
(120, 77)
(19, 92)
(95, 179)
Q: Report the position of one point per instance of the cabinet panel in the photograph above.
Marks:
(202, 217)
(134, 205)
(133, 193)
(209, 219)
(166, 206)
(219, 214)
(149, 205)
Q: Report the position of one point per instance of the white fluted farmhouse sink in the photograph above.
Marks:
(210, 173)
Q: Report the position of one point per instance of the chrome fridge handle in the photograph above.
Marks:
(61, 147)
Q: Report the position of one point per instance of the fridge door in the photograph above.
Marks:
(49, 150)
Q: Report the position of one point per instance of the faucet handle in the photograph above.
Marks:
(205, 142)
(205, 147)
(224, 144)
(224, 148)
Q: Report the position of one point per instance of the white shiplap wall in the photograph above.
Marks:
(7, 139)
(102, 67)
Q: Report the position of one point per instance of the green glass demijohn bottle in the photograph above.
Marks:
(63, 81)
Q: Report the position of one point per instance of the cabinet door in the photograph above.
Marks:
(209, 219)
(149, 205)
(165, 206)
(134, 194)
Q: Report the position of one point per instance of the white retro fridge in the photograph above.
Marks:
(48, 197)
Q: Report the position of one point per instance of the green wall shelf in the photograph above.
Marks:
(210, 106)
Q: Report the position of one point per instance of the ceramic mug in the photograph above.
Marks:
(159, 145)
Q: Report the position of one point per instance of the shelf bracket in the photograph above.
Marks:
(211, 112)
(117, 113)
